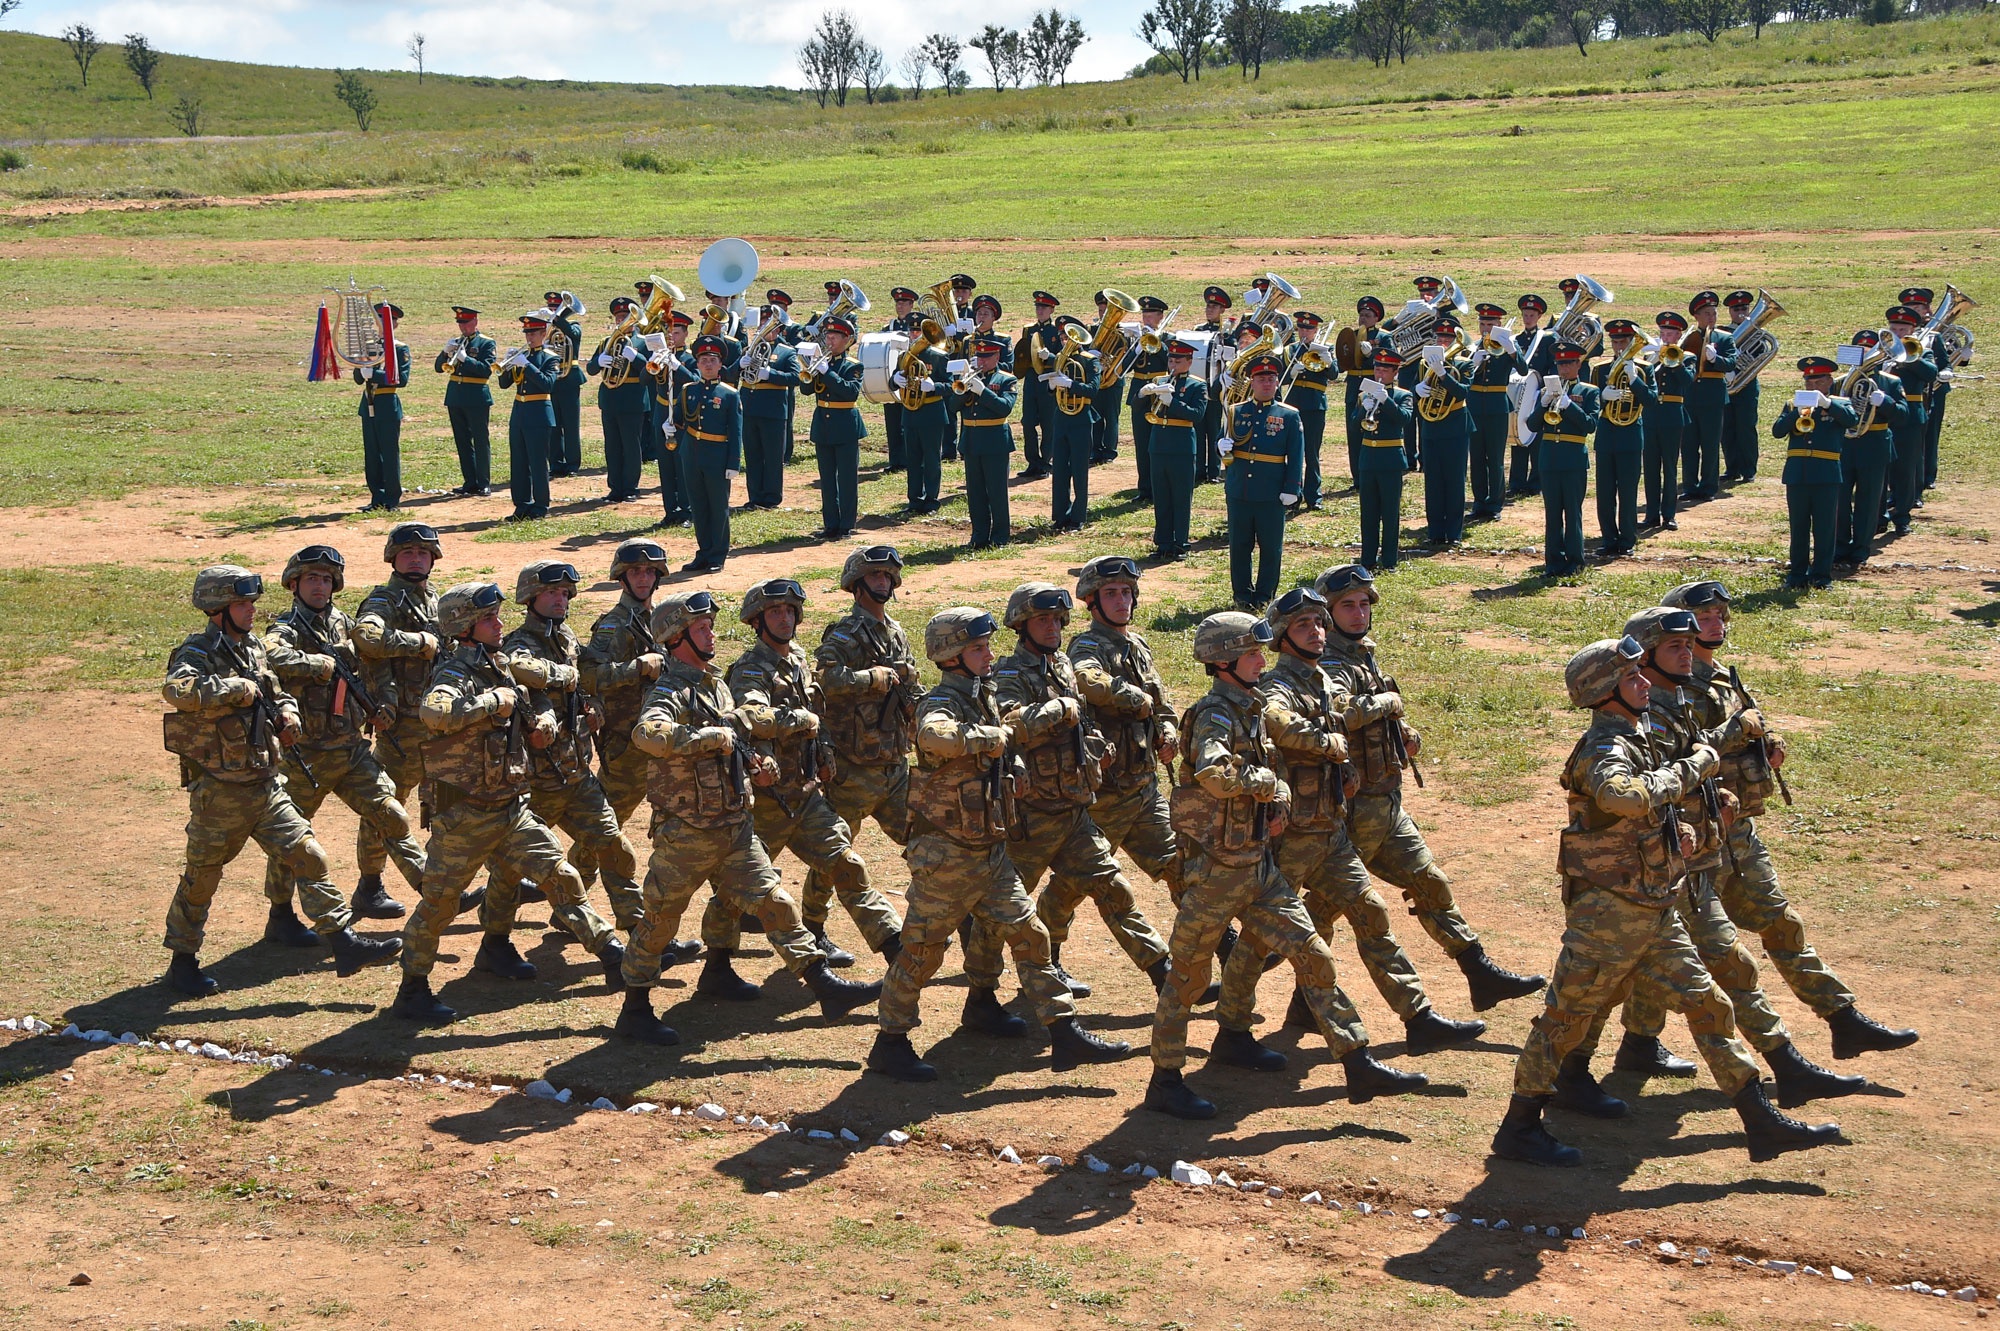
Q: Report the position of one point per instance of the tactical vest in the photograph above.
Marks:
(797, 755)
(623, 702)
(1372, 748)
(221, 746)
(958, 799)
(874, 732)
(1064, 768)
(1633, 857)
(1317, 796)
(1749, 777)
(567, 758)
(399, 681)
(1232, 831)
(706, 792)
(486, 762)
(1134, 756)
(320, 725)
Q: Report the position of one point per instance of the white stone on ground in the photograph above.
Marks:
(1192, 1175)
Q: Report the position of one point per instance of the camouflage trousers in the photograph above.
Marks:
(948, 882)
(518, 847)
(406, 771)
(1068, 847)
(1754, 900)
(355, 776)
(857, 792)
(732, 860)
(1727, 960)
(819, 837)
(622, 774)
(1393, 849)
(582, 810)
(1609, 943)
(222, 816)
(1323, 868)
(1135, 821)
(1273, 920)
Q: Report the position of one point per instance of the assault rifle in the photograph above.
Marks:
(1762, 743)
(1396, 739)
(739, 752)
(1711, 788)
(313, 642)
(264, 724)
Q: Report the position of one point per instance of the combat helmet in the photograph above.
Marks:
(1037, 598)
(465, 605)
(1298, 603)
(872, 559)
(772, 591)
(1104, 570)
(322, 558)
(220, 586)
(1593, 674)
(639, 553)
(1656, 623)
(1222, 638)
(674, 613)
(951, 631)
(406, 535)
(1336, 582)
(541, 575)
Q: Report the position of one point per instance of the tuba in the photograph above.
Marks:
(558, 342)
(1264, 308)
(1945, 331)
(1888, 351)
(763, 345)
(852, 300)
(727, 269)
(1577, 324)
(939, 303)
(1411, 326)
(1755, 348)
(620, 371)
(660, 305)
(1068, 400)
(1110, 340)
(1436, 407)
(1239, 386)
(929, 334)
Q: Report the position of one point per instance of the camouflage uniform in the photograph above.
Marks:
(614, 676)
(387, 635)
(1125, 699)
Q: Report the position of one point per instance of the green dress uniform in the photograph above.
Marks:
(1538, 353)
(1147, 367)
(923, 434)
(566, 402)
(1906, 474)
(381, 412)
(1564, 446)
(986, 440)
(1307, 396)
(1413, 444)
(1209, 468)
(1740, 436)
(1369, 341)
(529, 430)
(1037, 405)
(1702, 457)
(1665, 424)
(613, 676)
(1107, 404)
(1378, 473)
(1812, 478)
(1447, 448)
(1173, 425)
(766, 422)
(709, 445)
(1266, 468)
(468, 401)
(1864, 471)
(1126, 700)
(1488, 375)
(623, 413)
(1070, 444)
(389, 636)
(1934, 421)
(836, 433)
(910, 325)
(1621, 456)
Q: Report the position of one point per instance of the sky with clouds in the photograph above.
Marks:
(660, 41)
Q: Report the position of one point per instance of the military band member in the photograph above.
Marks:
(1490, 369)
(767, 411)
(710, 444)
(837, 428)
(1071, 422)
(1413, 442)
(1620, 449)
(622, 409)
(1215, 319)
(1147, 367)
(532, 373)
(1865, 462)
(987, 440)
(1265, 447)
(907, 321)
(1446, 444)
(1108, 401)
(1701, 455)
(961, 329)
(924, 427)
(1377, 418)
(231, 721)
(468, 399)
(1665, 423)
(986, 314)
(652, 445)
(780, 300)
(1919, 299)
(1368, 319)
(566, 397)
(960, 814)
(1307, 396)
(1538, 352)
(381, 412)
(1815, 434)
(1039, 342)
(1562, 421)
(1919, 376)
(1739, 416)
(1177, 406)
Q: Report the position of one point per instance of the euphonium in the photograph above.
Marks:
(1239, 383)
(1945, 328)
(1410, 327)
(1262, 309)
(1110, 341)
(940, 304)
(1437, 406)
(1755, 348)
(713, 319)
(619, 372)
(852, 300)
(1620, 375)
(929, 334)
(1576, 323)
(1068, 400)
(1888, 350)
(660, 305)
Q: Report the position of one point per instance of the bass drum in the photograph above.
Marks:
(880, 353)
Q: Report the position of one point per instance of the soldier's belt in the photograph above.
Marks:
(1876, 427)
(531, 397)
(1565, 438)
(1822, 454)
(380, 392)
(1145, 376)
(1711, 374)
(1152, 419)
(928, 399)
(1672, 397)
(706, 437)
(468, 378)
(1279, 458)
(971, 421)
(779, 388)
(836, 406)
(1455, 406)
(1488, 388)
(1368, 441)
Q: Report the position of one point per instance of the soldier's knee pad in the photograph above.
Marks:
(391, 819)
(199, 881)
(1369, 916)
(1709, 1015)
(1314, 964)
(777, 912)
(1785, 934)
(1734, 970)
(307, 860)
(1429, 885)
(848, 873)
(564, 886)
(922, 959)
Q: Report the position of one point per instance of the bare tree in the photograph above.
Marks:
(1051, 43)
(1014, 59)
(357, 96)
(186, 115)
(1180, 30)
(916, 67)
(8, 6)
(1251, 29)
(415, 48)
(991, 41)
(943, 50)
(82, 41)
(143, 59)
(872, 69)
(816, 63)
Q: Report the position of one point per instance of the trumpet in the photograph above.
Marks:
(967, 383)
(1149, 342)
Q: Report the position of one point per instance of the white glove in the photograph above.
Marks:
(1225, 445)
(518, 361)
(1946, 376)
(1479, 358)
(1288, 500)
(1423, 391)
(451, 346)
(631, 352)
(731, 475)
(1163, 391)
(1505, 338)
(1374, 390)
(899, 379)
(603, 360)
(928, 384)
(1062, 381)
(1708, 351)
(764, 374)
(1877, 398)
(1225, 380)
(1614, 394)
(1562, 402)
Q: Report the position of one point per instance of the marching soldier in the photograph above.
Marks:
(961, 812)
(986, 440)
(1621, 861)
(1148, 367)
(1107, 400)
(1538, 355)
(1266, 450)
(1069, 424)
(532, 373)
(1229, 802)
(671, 369)
(1376, 417)
(1177, 406)
(468, 399)
(909, 322)
(396, 637)
(868, 675)
(924, 429)
(311, 650)
(566, 396)
(381, 413)
(700, 787)
(1701, 456)
(1747, 881)
(1496, 358)
(622, 409)
(1815, 431)
(1562, 420)
(1919, 300)
(1039, 342)
(767, 420)
(710, 444)
(483, 731)
(1446, 443)
(1303, 711)
(837, 429)
(1739, 414)
(1864, 467)
(231, 722)
(1919, 376)
(1307, 396)
(1382, 745)
(1621, 442)
(1215, 319)
(1665, 424)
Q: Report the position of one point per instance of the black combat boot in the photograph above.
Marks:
(1522, 1136)
(351, 952)
(371, 901)
(1239, 1049)
(1157, 973)
(836, 956)
(1070, 1045)
(1771, 1133)
(720, 980)
(1169, 1094)
(680, 952)
(286, 929)
(1299, 1014)
(469, 902)
(1855, 1034)
(637, 1022)
(1800, 1079)
(1427, 1032)
(838, 997)
(750, 924)
(1577, 1090)
(611, 956)
(1491, 985)
(894, 1056)
(415, 1002)
(527, 894)
(892, 947)
(985, 1015)
(1366, 1078)
(184, 975)
(497, 955)
(1644, 1054)
(1077, 988)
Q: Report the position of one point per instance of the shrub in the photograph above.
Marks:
(645, 159)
